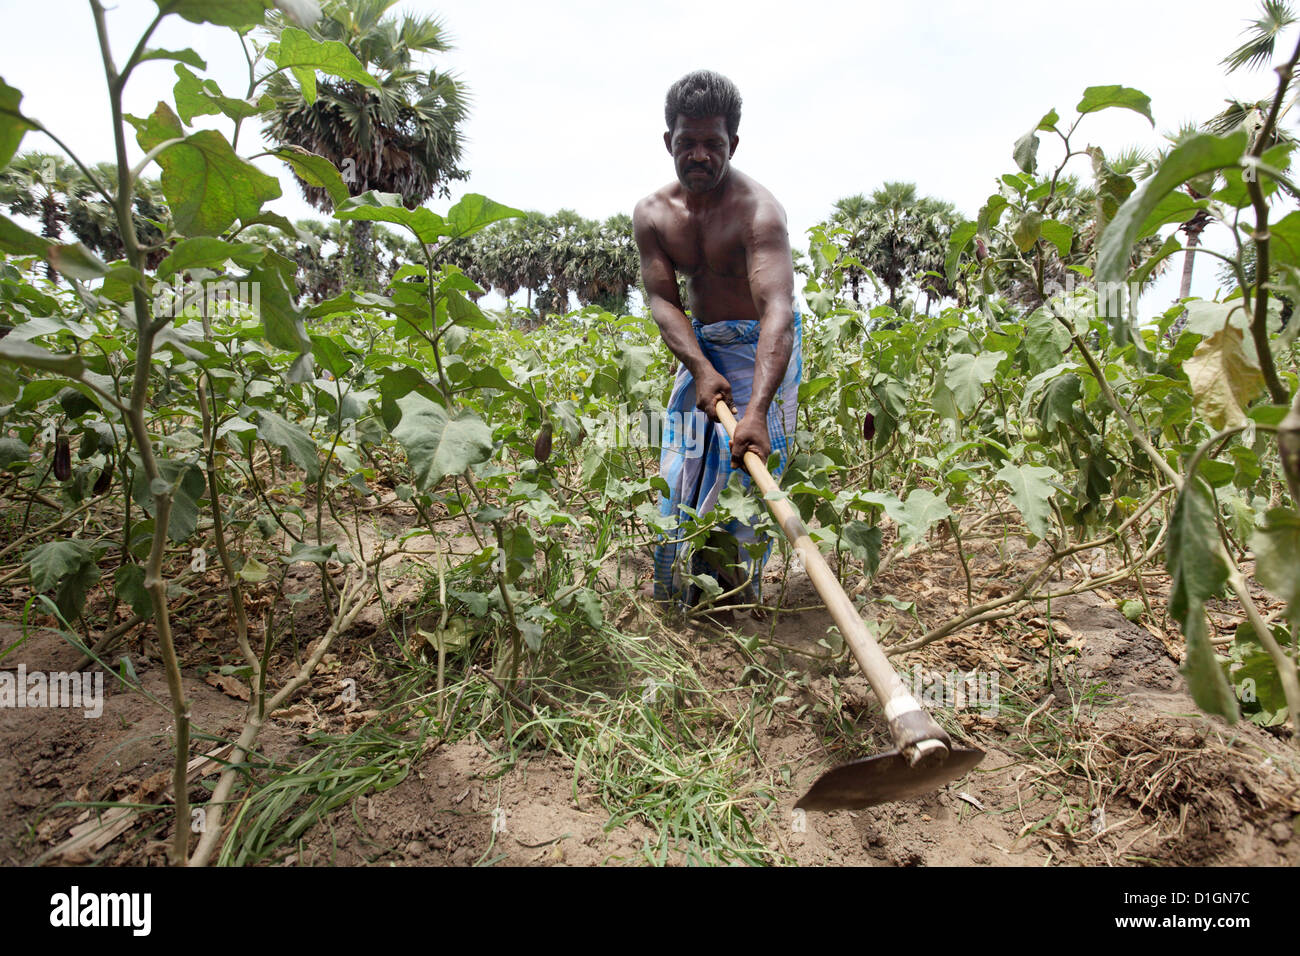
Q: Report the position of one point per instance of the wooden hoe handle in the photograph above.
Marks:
(914, 732)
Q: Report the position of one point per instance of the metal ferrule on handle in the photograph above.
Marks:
(914, 731)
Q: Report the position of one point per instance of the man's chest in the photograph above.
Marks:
(695, 245)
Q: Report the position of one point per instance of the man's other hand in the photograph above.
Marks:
(710, 388)
(751, 435)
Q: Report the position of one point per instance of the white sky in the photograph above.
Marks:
(839, 96)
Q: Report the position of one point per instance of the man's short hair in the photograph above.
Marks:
(703, 93)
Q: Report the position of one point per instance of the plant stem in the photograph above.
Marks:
(1259, 322)
(1288, 446)
(155, 583)
(1139, 435)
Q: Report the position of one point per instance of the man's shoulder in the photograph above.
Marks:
(656, 202)
(760, 205)
(758, 215)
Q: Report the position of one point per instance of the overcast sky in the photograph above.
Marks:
(838, 96)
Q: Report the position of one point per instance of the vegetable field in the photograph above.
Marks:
(360, 573)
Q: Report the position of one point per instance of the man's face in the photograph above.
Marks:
(701, 151)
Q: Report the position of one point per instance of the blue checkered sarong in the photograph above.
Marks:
(696, 455)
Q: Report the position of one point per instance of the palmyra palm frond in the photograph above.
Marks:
(1261, 34)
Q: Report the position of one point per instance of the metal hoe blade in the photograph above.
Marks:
(885, 777)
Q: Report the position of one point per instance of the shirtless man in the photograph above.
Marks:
(727, 234)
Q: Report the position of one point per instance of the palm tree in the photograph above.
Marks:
(1030, 281)
(1197, 188)
(36, 185)
(550, 256)
(94, 221)
(528, 250)
(1236, 115)
(620, 262)
(1257, 49)
(507, 256)
(402, 137)
(1275, 16)
(898, 236)
(850, 213)
(55, 192)
(598, 260)
(1227, 277)
(1075, 205)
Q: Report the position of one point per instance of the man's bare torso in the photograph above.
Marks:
(709, 245)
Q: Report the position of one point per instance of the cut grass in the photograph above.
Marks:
(646, 740)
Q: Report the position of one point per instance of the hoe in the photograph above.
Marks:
(923, 758)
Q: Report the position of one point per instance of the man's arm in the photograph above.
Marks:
(771, 282)
(660, 279)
